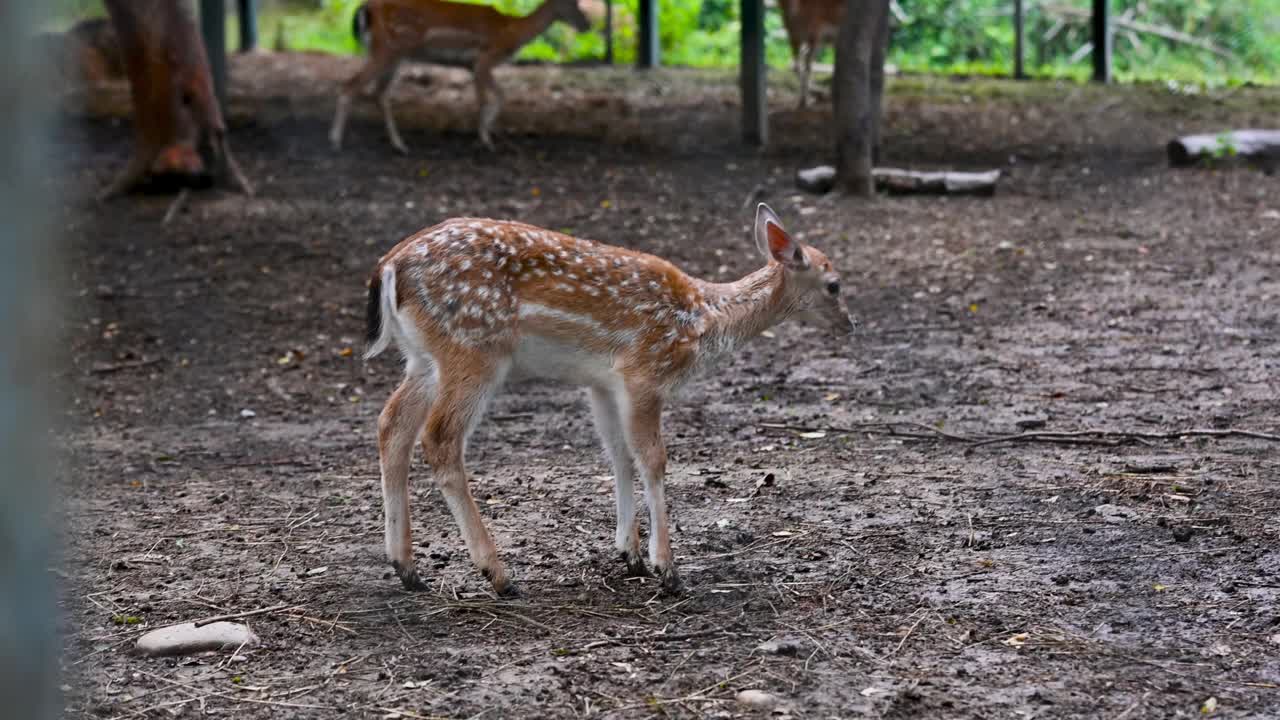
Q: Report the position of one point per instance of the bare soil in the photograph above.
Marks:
(219, 434)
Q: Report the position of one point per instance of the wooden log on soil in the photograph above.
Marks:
(1259, 147)
(907, 182)
(178, 126)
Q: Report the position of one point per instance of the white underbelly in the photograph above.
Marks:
(539, 357)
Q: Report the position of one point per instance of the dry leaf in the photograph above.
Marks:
(831, 397)
(1210, 706)
(1017, 640)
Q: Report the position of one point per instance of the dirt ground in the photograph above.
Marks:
(219, 433)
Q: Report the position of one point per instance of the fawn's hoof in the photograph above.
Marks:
(410, 578)
(635, 565)
(503, 585)
(671, 582)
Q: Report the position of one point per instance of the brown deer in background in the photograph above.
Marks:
(475, 37)
(810, 25)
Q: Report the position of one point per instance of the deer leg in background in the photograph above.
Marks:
(805, 69)
(386, 81)
(489, 97)
(374, 67)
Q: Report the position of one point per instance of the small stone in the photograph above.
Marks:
(187, 638)
(247, 413)
(758, 699)
(784, 646)
(817, 179)
(1115, 513)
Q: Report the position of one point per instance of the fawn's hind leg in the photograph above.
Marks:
(399, 427)
(460, 402)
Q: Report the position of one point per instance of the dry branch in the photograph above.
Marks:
(1076, 437)
(247, 613)
(822, 179)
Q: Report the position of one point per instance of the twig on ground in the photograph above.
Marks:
(176, 205)
(1076, 437)
(1159, 554)
(105, 368)
(396, 615)
(247, 613)
(910, 630)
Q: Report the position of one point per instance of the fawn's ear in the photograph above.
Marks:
(775, 243)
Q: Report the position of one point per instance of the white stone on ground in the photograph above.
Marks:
(187, 638)
(758, 699)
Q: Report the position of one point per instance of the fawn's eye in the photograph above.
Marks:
(833, 287)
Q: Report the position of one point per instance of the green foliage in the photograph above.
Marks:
(971, 37)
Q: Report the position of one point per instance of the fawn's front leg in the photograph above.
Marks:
(399, 426)
(645, 438)
(605, 408)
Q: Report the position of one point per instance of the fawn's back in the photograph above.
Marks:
(560, 307)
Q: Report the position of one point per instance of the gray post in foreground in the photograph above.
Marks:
(28, 627)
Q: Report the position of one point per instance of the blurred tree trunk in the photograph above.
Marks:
(178, 126)
(857, 90)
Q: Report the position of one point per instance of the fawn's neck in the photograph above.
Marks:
(740, 310)
(534, 24)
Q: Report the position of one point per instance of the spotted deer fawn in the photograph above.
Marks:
(810, 25)
(475, 37)
(473, 303)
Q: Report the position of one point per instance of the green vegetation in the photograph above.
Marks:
(1222, 42)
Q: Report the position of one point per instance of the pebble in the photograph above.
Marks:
(187, 638)
(817, 179)
(1115, 513)
(758, 699)
(784, 646)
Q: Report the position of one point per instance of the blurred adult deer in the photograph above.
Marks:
(810, 25)
(475, 37)
(473, 303)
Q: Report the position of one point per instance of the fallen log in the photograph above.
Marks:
(1258, 147)
(907, 182)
